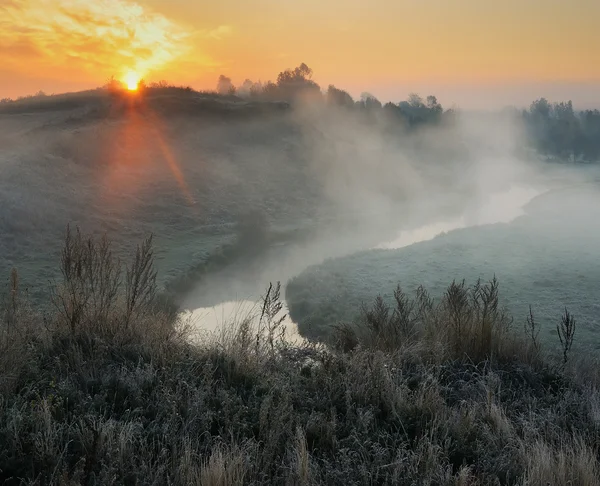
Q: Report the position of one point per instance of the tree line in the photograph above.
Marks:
(297, 84)
(555, 130)
(560, 132)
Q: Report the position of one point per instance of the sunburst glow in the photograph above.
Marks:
(87, 40)
(132, 80)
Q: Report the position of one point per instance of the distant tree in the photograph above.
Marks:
(301, 74)
(590, 136)
(558, 131)
(417, 111)
(540, 109)
(256, 89)
(296, 82)
(270, 90)
(564, 111)
(369, 103)
(565, 131)
(246, 88)
(225, 86)
(433, 106)
(6, 100)
(415, 101)
(339, 97)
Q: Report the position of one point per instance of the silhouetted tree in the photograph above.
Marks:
(270, 91)
(225, 86)
(415, 101)
(540, 109)
(416, 111)
(296, 82)
(339, 97)
(368, 103)
(301, 74)
(558, 131)
(246, 88)
(433, 106)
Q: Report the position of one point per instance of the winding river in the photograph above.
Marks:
(221, 320)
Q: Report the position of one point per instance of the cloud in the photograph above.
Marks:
(107, 36)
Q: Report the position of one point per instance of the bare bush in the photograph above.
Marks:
(140, 285)
(91, 280)
(566, 333)
(458, 311)
(271, 320)
(532, 330)
(468, 323)
(93, 298)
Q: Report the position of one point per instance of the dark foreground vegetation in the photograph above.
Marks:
(105, 389)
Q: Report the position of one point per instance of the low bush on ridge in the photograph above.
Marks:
(106, 389)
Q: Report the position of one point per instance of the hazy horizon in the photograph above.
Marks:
(470, 54)
(583, 95)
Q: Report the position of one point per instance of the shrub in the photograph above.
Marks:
(467, 323)
(93, 297)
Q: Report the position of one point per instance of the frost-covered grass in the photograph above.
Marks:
(107, 389)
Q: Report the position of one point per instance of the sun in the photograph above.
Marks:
(132, 80)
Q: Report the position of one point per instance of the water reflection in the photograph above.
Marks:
(497, 208)
(225, 319)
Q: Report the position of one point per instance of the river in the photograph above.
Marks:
(223, 319)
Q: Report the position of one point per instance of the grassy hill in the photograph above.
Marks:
(169, 167)
(186, 166)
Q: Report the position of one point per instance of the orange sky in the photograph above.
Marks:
(466, 51)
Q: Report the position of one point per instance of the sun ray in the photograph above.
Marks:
(138, 148)
(170, 159)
